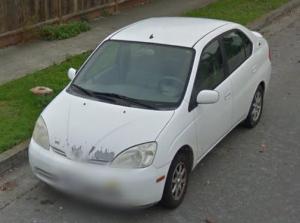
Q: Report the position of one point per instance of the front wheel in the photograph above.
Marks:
(176, 183)
(256, 108)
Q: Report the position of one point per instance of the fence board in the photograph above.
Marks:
(16, 14)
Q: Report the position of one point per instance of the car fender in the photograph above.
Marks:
(180, 132)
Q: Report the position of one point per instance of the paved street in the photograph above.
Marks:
(252, 175)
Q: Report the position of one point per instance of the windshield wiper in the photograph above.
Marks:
(92, 94)
(112, 97)
(87, 92)
(127, 99)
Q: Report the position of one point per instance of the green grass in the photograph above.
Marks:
(240, 11)
(19, 108)
(64, 31)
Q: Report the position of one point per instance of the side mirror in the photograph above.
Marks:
(207, 97)
(71, 73)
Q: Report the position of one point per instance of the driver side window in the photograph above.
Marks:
(210, 70)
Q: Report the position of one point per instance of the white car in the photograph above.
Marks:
(148, 104)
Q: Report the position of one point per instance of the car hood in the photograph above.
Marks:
(85, 129)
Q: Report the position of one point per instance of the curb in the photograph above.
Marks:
(14, 156)
(19, 153)
(267, 19)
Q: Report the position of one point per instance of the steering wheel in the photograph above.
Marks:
(169, 86)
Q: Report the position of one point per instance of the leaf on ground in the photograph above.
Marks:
(263, 148)
(209, 220)
(8, 186)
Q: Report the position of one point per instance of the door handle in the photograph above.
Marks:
(254, 69)
(227, 96)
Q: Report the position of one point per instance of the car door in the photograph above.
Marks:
(241, 68)
(212, 121)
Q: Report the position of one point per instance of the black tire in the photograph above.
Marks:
(170, 199)
(256, 108)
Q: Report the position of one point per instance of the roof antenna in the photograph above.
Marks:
(151, 36)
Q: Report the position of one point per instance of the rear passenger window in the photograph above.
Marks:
(247, 45)
(237, 47)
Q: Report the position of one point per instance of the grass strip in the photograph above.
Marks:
(240, 11)
(19, 108)
(63, 31)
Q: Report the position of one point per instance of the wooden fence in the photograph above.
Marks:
(17, 16)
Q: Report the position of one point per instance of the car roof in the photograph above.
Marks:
(177, 31)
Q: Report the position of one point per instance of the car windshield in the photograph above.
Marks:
(136, 74)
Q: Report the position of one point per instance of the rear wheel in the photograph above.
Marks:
(256, 108)
(177, 181)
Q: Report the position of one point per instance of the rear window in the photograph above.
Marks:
(238, 48)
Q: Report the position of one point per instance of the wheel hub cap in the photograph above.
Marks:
(179, 181)
(256, 106)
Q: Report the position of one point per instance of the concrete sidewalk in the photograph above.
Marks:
(17, 61)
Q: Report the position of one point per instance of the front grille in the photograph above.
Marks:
(58, 151)
(99, 162)
(93, 161)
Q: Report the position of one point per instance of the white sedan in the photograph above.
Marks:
(148, 104)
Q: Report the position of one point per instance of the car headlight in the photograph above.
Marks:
(40, 133)
(139, 156)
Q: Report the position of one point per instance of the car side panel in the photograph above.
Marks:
(179, 132)
(248, 76)
(263, 60)
(243, 84)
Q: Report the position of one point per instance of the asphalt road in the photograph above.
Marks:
(252, 175)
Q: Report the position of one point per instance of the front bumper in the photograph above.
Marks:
(134, 187)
